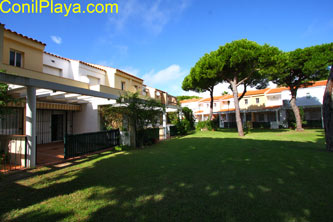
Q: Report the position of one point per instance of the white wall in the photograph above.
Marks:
(87, 71)
(273, 100)
(87, 120)
(56, 66)
(311, 96)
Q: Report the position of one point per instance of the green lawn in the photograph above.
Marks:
(207, 176)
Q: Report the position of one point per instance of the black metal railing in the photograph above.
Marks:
(13, 152)
(80, 144)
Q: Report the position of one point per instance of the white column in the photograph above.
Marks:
(165, 125)
(30, 126)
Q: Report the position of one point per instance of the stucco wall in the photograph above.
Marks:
(311, 96)
(88, 119)
(52, 63)
(32, 52)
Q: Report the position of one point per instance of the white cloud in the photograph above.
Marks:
(169, 79)
(153, 15)
(56, 39)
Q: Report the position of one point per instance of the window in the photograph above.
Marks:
(308, 95)
(15, 58)
(257, 100)
(122, 85)
(246, 101)
(207, 105)
(214, 104)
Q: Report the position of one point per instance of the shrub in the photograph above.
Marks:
(188, 113)
(182, 127)
(147, 136)
(208, 125)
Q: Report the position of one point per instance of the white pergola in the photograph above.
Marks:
(31, 89)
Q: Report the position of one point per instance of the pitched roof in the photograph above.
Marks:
(91, 65)
(24, 36)
(319, 83)
(190, 100)
(277, 90)
(315, 84)
(84, 63)
(126, 73)
(59, 57)
(215, 98)
(226, 110)
(256, 92)
(200, 111)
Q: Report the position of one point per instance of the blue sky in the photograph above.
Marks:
(160, 40)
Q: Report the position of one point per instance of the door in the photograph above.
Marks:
(57, 127)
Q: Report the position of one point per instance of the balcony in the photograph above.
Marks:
(172, 100)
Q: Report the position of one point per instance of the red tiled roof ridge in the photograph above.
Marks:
(24, 36)
(82, 62)
(59, 57)
(190, 100)
(120, 71)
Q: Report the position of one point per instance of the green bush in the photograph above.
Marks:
(183, 127)
(208, 125)
(188, 113)
(147, 136)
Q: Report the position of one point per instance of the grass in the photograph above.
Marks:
(208, 176)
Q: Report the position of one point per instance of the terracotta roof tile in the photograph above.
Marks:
(59, 57)
(122, 72)
(190, 100)
(215, 98)
(277, 90)
(319, 83)
(24, 36)
(85, 63)
(93, 66)
(200, 111)
(226, 110)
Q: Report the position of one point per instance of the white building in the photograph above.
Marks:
(264, 108)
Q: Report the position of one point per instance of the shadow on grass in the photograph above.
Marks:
(189, 178)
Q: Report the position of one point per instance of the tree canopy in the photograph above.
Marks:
(241, 63)
(300, 68)
(180, 98)
(136, 112)
(203, 76)
(5, 98)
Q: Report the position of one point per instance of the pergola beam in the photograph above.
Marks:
(25, 81)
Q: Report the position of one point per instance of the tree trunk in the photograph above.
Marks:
(132, 130)
(328, 112)
(236, 101)
(211, 103)
(296, 111)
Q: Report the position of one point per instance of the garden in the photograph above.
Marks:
(268, 175)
